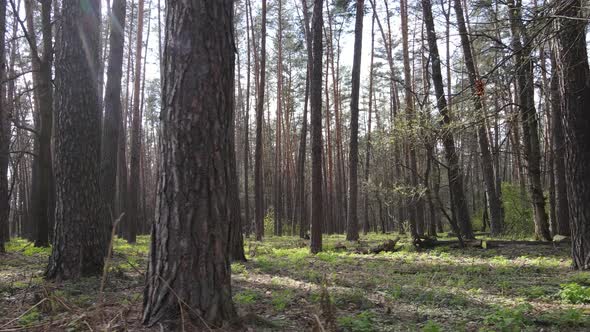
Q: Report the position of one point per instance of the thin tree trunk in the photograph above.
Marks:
(477, 88)
(112, 103)
(352, 233)
(366, 224)
(258, 174)
(454, 171)
(558, 138)
(301, 200)
(528, 114)
(278, 167)
(135, 194)
(4, 136)
(316, 129)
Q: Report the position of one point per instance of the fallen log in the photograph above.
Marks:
(387, 246)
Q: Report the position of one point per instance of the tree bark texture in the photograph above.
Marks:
(79, 236)
(576, 121)
(189, 259)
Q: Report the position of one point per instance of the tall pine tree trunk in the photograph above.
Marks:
(258, 153)
(317, 218)
(80, 238)
(576, 73)
(133, 212)
(4, 135)
(561, 201)
(352, 233)
(112, 103)
(189, 258)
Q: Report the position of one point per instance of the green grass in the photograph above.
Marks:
(444, 289)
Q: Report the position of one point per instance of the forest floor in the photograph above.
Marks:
(282, 287)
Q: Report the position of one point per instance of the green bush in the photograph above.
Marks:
(518, 215)
(574, 293)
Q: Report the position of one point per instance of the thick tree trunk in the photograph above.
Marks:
(352, 233)
(454, 171)
(189, 259)
(258, 174)
(317, 218)
(79, 237)
(576, 73)
(477, 88)
(112, 105)
(133, 212)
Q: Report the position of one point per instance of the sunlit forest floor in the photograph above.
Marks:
(284, 288)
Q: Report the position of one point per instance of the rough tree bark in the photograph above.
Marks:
(352, 233)
(561, 202)
(189, 260)
(79, 237)
(317, 207)
(576, 121)
(112, 104)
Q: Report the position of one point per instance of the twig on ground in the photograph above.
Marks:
(24, 313)
(108, 259)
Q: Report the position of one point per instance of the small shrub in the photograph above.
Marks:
(281, 299)
(29, 318)
(534, 292)
(508, 319)
(517, 216)
(246, 297)
(431, 326)
(238, 268)
(362, 322)
(582, 278)
(354, 297)
(566, 318)
(574, 293)
(269, 223)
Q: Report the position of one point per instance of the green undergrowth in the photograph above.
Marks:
(509, 288)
